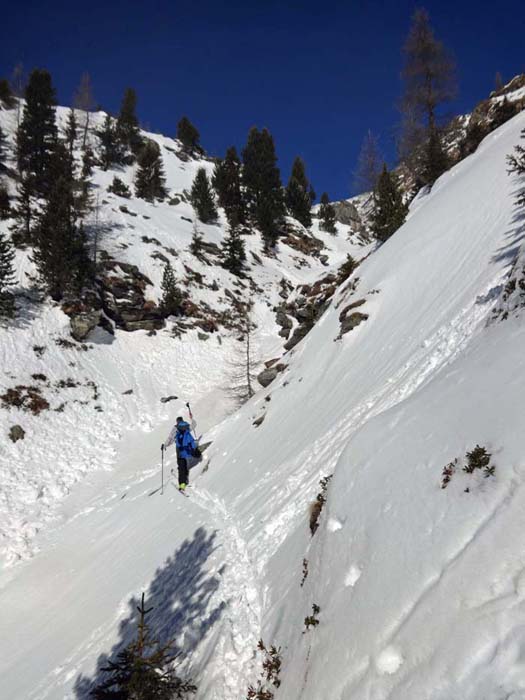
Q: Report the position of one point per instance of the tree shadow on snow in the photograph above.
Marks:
(514, 238)
(180, 595)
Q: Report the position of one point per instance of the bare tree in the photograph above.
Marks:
(84, 101)
(18, 86)
(369, 164)
(243, 362)
(429, 76)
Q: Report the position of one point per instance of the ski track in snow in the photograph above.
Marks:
(233, 663)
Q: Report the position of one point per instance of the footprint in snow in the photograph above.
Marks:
(389, 661)
(353, 576)
(334, 524)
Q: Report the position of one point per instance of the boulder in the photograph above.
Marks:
(266, 377)
(17, 433)
(346, 213)
(83, 323)
(298, 334)
(350, 322)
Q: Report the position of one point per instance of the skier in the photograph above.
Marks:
(186, 449)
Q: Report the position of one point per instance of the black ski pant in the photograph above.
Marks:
(184, 470)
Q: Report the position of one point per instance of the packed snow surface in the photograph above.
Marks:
(420, 590)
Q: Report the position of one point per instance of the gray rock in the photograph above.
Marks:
(17, 433)
(346, 213)
(298, 334)
(350, 322)
(166, 399)
(202, 336)
(282, 319)
(83, 323)
(266, 377)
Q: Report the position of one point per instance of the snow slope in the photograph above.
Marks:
(86, 424)
(420, 589)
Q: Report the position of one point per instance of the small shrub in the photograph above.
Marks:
(448, 472)
(271, 664)
(312, 620)
(478, 458)
(119, 188)
(38, 377)
(317, 506)
(39, 350)
(305, 571)
(27, 398)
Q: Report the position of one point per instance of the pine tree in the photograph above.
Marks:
(389, 210)
(298, 198)
(149, 181)
(516, 163)
(6, 277)
(202, 197)
(60, 251)
(188, 135)
(327, 215)
(24, 212)
(434, 160)
(5, 205)
(3, 148)
(226, 181)
(369, 164)
(6, 94)
(119, 188)
(234, 251)
(111, 149)
(196, 241)
(171, 294)
(127, 129)
(37, 133)
(429, 76)
(143, 670)
(262, 181)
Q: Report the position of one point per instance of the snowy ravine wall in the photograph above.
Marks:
(420, 589)
(103, 392)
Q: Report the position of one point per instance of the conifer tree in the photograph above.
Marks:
(71, 132)
(127, 129)
(202, 197)
(434, 160)
(60, 250)
(119, 188)
(143, 670)
(6, 277)
(298, 197)
(2, 148)
(149, 181)
(516, 163)
(262, 181)
(226, 181)
(188, 135)
(24, 212)
(234, 251)
(369, 164)
(37, 133)
(171, 294)
(327, 215)
(88, 161)
(196, 241)
(429, 76)
(5, 205)
(389, 211)
(6, 94)
(111, 150)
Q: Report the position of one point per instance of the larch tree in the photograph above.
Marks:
(369, 164)
(429, 77)
(84, 102)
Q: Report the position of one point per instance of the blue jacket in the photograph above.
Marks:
(184, 442)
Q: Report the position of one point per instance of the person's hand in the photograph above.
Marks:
(162, 448)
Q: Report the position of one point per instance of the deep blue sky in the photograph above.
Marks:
(318, 75)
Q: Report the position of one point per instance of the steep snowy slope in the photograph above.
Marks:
(101, 392)
(420, 588)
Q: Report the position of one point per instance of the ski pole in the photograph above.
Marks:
(193, 421)
(162, 469)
